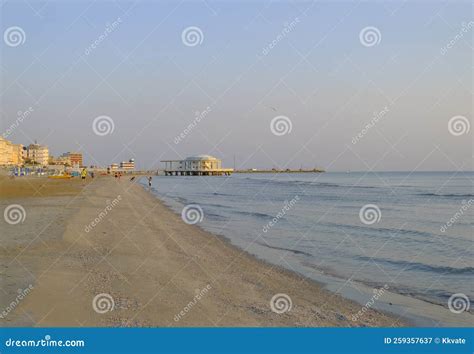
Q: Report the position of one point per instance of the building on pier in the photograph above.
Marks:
(200, 165)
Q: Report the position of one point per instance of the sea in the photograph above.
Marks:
(409, 232)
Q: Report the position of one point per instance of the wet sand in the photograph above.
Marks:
(114, 242)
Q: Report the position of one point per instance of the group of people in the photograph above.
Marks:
(117, 176)
(149, 179)
(84, 174)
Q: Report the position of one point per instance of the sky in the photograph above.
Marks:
(345, 85)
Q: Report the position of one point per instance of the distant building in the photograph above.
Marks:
(130, 165)
(10, 154)
(200, 165)
(4, 152)
(114, 166)
(25, 152)
(72, 158)
(17, 154)
(38, 154)
(61, 160)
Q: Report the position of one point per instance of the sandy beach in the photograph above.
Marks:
(114, 242)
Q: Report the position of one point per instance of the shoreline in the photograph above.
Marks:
(153, 266)
(411, 310)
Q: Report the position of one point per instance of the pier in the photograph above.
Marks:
(218, 172)
(200, 165)
(314, 170)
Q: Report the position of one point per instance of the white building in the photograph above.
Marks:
(200, 165)
(128, 165)
(38, 154)
(10, 154)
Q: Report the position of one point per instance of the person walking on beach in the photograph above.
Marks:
(83, 174)
(149, 181)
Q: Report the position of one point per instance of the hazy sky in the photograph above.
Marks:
(252, 61)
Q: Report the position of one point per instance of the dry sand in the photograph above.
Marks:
(145, 258)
